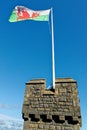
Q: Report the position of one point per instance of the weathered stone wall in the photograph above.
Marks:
(57, 109)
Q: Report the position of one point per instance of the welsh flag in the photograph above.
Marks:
(22, 13)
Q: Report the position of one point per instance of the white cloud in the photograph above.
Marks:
(6, 106)
(10, 123)
(5, 117)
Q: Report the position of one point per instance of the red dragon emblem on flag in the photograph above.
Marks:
(25, 14)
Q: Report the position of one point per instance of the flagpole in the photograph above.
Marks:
(53, 57)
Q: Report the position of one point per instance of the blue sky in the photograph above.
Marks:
(25, 50)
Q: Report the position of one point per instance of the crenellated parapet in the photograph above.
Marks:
(57, 109)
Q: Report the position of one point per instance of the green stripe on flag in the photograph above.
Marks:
(13, 17)
(41, 18)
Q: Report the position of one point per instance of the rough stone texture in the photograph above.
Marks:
(57, 109)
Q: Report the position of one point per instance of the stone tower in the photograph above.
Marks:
(57, 109)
